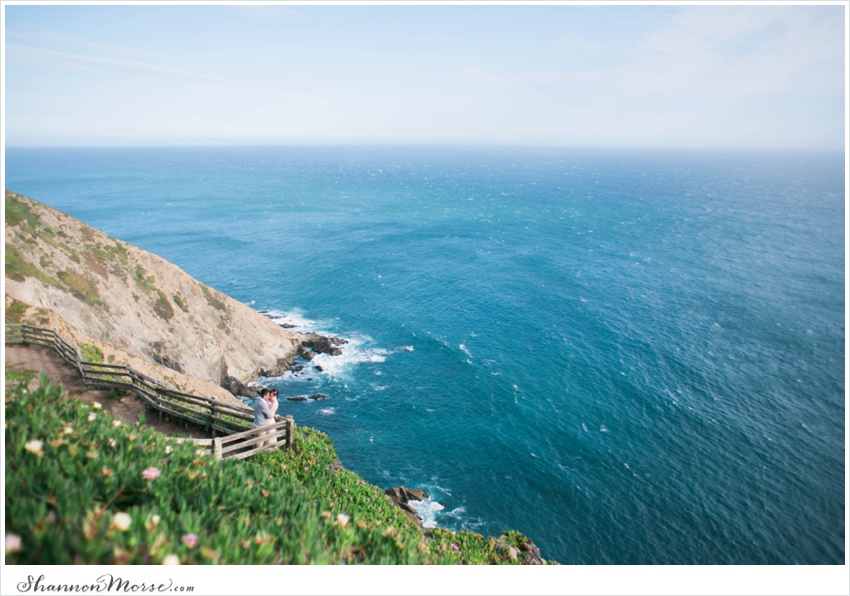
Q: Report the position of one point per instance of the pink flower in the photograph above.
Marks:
(151, 473)
(454, 546)
(189, 540)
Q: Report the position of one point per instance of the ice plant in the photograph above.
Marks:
(34, 447)
(342, 519)
(171, 560)
(151, 473)
(167, 449)
(116, 423)
(96, 405)
(189, 540)
(92, 416)
(68, 430)
(121, 521)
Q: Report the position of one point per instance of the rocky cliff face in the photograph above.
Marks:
(133, 301)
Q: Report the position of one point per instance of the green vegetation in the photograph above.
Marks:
(162, 307)
(83, 488)
(81, 287)
(214, 302)
(19, 376)
(143, 280)
(15, 312)
(18, 211)
(18, 268)
(97, 260)
(91, 353)
(180, 301)
(112, 258)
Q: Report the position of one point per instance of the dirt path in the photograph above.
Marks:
(127, 408)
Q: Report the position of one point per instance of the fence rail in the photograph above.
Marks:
(234, 422)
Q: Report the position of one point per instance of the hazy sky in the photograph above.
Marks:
(643, 75)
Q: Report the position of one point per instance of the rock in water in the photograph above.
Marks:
(401, 495)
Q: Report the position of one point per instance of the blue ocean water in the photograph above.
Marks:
(630, 356)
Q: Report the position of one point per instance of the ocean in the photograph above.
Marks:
(632, 357)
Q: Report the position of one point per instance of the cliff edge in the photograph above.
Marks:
(61, 272)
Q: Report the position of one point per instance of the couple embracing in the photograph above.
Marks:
(265, 410)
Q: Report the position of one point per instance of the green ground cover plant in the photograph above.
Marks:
(85, 488)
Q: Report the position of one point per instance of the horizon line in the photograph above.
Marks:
(419, 144)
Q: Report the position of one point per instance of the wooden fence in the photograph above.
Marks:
(234, 422)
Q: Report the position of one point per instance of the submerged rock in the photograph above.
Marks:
(297, 398)
(318, 396)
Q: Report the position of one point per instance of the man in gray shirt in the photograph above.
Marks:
(263, 414)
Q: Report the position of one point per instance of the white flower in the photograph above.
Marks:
(92, 416)
(96, 405)
(171, 560)
(168, 449)
(34, 447)
(116, 423)
(201, 452)
(13, 543)
(121, 521)
(68, 430)
(342, 519)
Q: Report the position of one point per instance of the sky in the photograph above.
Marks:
(665, 75)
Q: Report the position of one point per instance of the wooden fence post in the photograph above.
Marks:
(290, 431)
(217, 448)
(80, 363)
(213, 418)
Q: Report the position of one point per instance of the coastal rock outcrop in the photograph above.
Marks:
(401, 497)
(321, 344)
(133, 302)
(523, 549)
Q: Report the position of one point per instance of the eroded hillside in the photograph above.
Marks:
(62, 272)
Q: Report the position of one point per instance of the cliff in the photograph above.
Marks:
(136, 306)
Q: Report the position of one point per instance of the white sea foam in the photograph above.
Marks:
(358, 350)
(427, 509)
(327, 411)
(405, 349)
(294, 317)
(465, 350)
